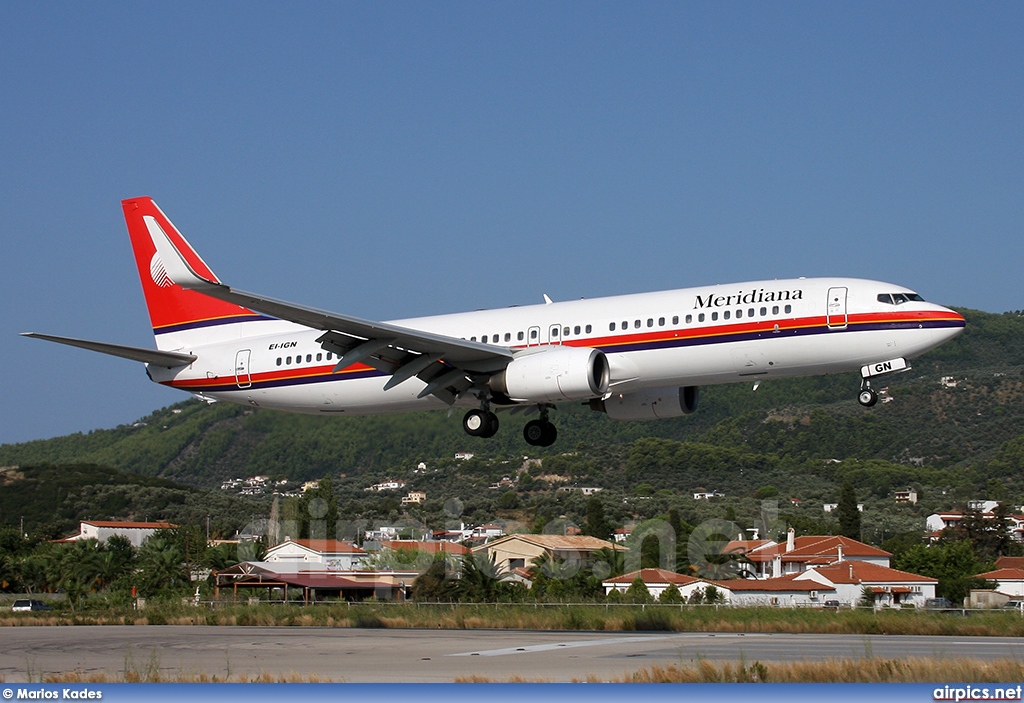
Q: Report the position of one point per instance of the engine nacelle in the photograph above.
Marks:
(553, 375)
(653, 404)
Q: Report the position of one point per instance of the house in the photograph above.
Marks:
(316, 555)
(585, 490)
(102, 530)
(389, 485)
(657, 581)
(707, 495)
(518, 551)
(414, 498)
(829, 507)
(907, 496)
(767, 559)
(889, 587)
(1009, 581)
(782, 592)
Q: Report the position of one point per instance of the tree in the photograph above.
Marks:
(671, 595)
(433, 585)
(847, 512)
(596, 524)
(637, 592)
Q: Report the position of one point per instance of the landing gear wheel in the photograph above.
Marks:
(867, 397)
(480, 423)
(540, 433)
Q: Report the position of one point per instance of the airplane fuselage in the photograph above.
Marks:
(687, 337)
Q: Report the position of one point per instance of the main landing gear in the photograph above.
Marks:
(480, 423)
(484, 423)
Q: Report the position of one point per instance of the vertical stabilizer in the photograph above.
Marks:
(180, 317)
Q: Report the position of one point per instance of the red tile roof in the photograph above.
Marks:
(865, 572)
(1010, 563)
(131, 525)
(781, 584)
(813, 549)
(1003, 575)
(324, 546)
(654, 576)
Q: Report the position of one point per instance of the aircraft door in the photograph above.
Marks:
(836, 314)
(242, 376)
(555, 334)
(533, 337)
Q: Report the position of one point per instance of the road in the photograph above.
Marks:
(392, 656)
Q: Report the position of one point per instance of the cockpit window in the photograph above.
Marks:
(899, 298)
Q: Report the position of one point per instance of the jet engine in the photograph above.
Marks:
(653, 404)
(554, 375)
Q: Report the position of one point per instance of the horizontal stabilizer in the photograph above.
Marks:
(147, 356)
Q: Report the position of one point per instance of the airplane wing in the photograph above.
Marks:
(147, 356)
(447, 365)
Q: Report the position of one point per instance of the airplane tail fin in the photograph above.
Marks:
(180, 317)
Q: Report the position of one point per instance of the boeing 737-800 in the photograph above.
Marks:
(633, 357)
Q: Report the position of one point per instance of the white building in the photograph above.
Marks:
(102, 530)
(316, 555)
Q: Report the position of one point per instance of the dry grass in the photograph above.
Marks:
(594, 617)
(184, 677)
(914, 670)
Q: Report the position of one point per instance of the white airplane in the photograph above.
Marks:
(633, 357)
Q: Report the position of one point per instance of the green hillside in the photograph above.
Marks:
(798, 437)
(52, 499)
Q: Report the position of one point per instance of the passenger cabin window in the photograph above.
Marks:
(714, 316)
(611, 326)
(739, 314)
(789, 309)
(700, 318)
(278, 361)
(519, 336)
(750, 312)
(689, 319)
(650, 322)
(675, 319)
(565, 331)
(725, 315)
(589, 329)
(764, 311)
(508, 336)
(576, 329)
(636, 324)
(775, 309)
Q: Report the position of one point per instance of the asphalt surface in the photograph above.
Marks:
(356, 655)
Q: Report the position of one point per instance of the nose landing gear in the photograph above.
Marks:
(867, 396)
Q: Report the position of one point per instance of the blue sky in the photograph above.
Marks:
(397, 159)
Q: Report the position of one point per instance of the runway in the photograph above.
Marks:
(413, 656)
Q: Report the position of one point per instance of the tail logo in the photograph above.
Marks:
(158, 273)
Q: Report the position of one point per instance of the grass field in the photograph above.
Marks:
(531, 617)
